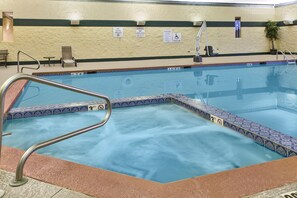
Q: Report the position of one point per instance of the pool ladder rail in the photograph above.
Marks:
(19, 178)
(22, 68)
(289, 61)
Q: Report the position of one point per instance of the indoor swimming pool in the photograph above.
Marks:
(264, 93)
(162, 143)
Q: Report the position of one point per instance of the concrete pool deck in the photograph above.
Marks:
(5, 73)
(35, 189)
(235, 183)
(102, 183)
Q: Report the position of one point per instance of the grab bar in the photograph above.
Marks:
(19, 179)
(285, 56)
(18, 59)
(290, 54)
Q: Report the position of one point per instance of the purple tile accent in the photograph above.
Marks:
(37, 113)
(259, 140)
(57, 111)
(66, 110)
(83, 106)
(270, 145)
(28, 114)
(18, 115)
(9, 116)
(48, 112)
(281, 150)
(292, 154)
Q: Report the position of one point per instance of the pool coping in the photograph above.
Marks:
(102, 183)
(283, 144)
(172, 67)
(13, 93)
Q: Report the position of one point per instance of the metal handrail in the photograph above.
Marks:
(285, 56)
(18, 59)
(19, 179)
(294, 58)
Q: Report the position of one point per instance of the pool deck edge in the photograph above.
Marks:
(101, 183)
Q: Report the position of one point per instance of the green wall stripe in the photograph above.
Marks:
(135, 58)
(128, 23)
(281, 23)
(41, 22)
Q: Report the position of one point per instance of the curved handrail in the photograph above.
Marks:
(290, 54)
(285, 56)
(18, 59)
(19, 179)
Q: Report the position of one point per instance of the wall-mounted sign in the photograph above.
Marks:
(118, 32)
(96, 107)
(167, 36)
(176, 37)
(140, 32)
(216, 120)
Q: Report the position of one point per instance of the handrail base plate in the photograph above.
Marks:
(15, 183)
(2, 193)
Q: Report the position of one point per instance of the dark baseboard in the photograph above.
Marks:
(134, 58)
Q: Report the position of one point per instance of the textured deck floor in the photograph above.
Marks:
(276, 193)
(35, 189)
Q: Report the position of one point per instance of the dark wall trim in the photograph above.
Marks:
(174, 2)
(127, 23)
(281, 24)
(135, 58)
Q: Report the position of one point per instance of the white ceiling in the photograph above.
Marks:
(268, 2)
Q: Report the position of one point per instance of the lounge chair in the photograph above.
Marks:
(209, 51)
(3, 56)
(67, 57)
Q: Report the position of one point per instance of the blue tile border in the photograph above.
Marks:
(26, 112)
(283, 144)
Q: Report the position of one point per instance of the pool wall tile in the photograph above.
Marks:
(283, 144)
(26, 112)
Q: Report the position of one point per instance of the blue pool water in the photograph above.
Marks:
(251, 92)
(163, 143)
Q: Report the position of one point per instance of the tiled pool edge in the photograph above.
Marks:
(26, 112)
(271, 139)
(283, 144)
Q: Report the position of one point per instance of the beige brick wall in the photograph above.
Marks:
(97, 42)
(288, 38)
(286, 13)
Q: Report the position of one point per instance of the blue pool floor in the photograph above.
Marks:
(163, 143)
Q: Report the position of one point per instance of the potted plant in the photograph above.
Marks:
(271, 32)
